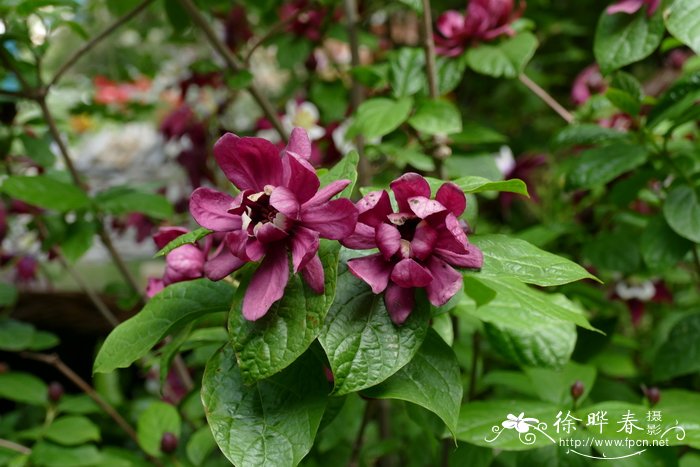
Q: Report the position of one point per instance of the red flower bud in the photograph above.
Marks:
(577, 390)
(55, 391)
(168, 443)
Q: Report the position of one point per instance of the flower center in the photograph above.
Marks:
(259, 212)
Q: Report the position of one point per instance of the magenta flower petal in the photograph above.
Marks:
(249, 163)
(424, 240)
(334, 220)
(625, 6)
(470, 257)
(300, 177)
(424, 207)
(285, 201)
(450, 23)
(408, 273)
(445, 284)
(183, 263)
(363, 238)
(210, 209)
(166, 235)
(452, 197)
(267, 284)
(399, 302)
(372, 269)
(304, 244)
(326, 193)
(373, 208)
(269, 233)
(408, 186)
(222, 264)
(313, 274)
(154, 287)
(388, 240)
(451, 236)
(254, 249)
(299, 143)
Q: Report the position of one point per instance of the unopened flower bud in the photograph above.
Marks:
(653, 395)
(168, 443)
(55, 391)
(577, 390)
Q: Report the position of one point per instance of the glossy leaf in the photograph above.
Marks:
(380, 116)
(46, 192)
(680, 352)
(406, 71)
(72, 430)
(585, 134)
(431, 379)
(683, 21)
(682, 212)
(504, 60)
(123, 200)
(23, 387)
(271, 422)
(175, 306)
(661, 247)
(159, 418)
(601, 165)
(189, 237)
(434, 117)
(473, 184)
(506, 256)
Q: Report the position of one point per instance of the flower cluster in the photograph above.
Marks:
(484, 20)
(281, 212)
(418, 245)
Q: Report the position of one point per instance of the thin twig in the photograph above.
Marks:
(77, 55)
(429, 48)
(12, 446)
(359, 439)
(234, 65)
(7, 61)
(356, 93)
(277, 28)
(546, 98)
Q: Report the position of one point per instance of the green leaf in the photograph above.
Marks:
(46, 192)
(124, 199)
(78, 239)
(159, 418)
(72, 430)
(200, 445)
(677, 101)
(270, 344)
(189, 237)
(272, 422)
(42, 340)
(684, 406)
(435, 117)
(479, 420)
(449, 73)
(175, 306)
(8, 294)
(683, 21)
(627, 257)
(623, 101)
(38, 150)
(473, 133)
(78, 404)
(621, 39)
(345, 169)
(682, 212)
(177, 16)
(363, 345)
(680, 352)
(23, 387)
(406, 71)
(15, 335)
(380, 116)
(504, 60)
(49, 455)
(472, 184)
(599, 166)
(585, 134)
(661, 247)
(506, 256)
(431, 379)
(554, 385)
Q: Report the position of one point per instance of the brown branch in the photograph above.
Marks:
(12, 446)
(6, 60)
(234, 65)
(429, 48)
(78, 54)
(356, 93)
(546, 98)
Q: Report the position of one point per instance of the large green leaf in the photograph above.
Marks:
(507, 256)
(380, 116)
(406, 71)
(46, 192)
(683, 21)
(680, 352)
(621, 39)
(124, 199)
(431, 379)
(584, 134)
(45, 454)
(437, 116)
(23, 387)
(72, 430)
(15, 335)
(554, 385)
(270, 344)
(473, 184)
(504, 60)
(682, 212)
(38, 149)
(363, 345)
(159, 418)
(661, 247)
(271, 422)
(480, 423)
(175, 306)
(678, 102)
(601, 165)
